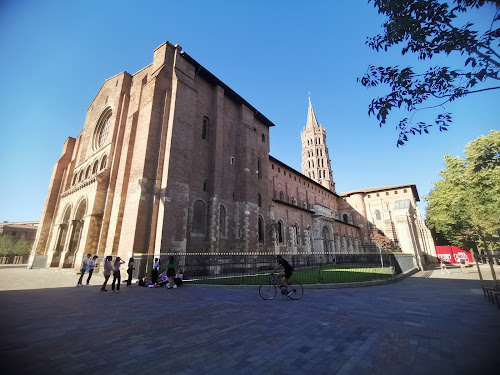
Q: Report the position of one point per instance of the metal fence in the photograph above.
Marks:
(254, 268)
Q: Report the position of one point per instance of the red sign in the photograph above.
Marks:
(453, 254)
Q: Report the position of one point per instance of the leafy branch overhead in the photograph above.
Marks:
(425, 27)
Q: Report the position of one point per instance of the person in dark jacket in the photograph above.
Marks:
(285, 274)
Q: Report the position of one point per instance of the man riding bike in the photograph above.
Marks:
(286, 274)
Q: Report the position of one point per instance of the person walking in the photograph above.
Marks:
(116, 274)
(462, 265)
(129, 271)
(171, 266)
(443, 267)
(91, 268)
(155, 271)
(83, 268)
(108, 267)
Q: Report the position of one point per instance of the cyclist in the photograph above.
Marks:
(286, 274)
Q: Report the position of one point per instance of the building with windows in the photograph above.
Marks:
(172, 160)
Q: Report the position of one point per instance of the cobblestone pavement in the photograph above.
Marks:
(430, 323)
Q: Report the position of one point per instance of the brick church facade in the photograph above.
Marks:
(171, 160)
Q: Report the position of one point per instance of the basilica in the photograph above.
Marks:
(171, 160)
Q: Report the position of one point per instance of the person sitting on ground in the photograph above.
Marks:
(286, 274)
(178, 277)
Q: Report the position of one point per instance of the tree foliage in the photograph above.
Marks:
(464, 207)
(9, 246)
(383, 242)
(427, 28)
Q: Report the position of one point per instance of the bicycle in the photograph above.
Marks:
(268, 289)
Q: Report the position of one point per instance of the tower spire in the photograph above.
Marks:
(316, 162)
(311, 117)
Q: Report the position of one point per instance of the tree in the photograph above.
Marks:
(383, 242)
(22, 247)
(426, 28)
(464, 207)
(6, 245)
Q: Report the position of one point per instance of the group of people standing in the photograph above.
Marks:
(88, 265)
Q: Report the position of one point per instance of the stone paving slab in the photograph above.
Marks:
(426, 324)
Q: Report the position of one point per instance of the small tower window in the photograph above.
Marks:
(263, 138)
(261, 229)
(206, 128)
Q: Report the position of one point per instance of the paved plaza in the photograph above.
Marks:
(430, 323)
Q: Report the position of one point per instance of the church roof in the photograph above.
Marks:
(312, 122)
(209, 77)
(383, 188)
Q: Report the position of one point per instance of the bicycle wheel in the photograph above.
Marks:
(267, 290)
(297, 290)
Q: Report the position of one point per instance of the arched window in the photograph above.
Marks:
(345, 218)
(87, 172)
(261, 229)
(281, 196)
(309, 163)
(206, 128)
(280, 232)
(313, 174)
(259, 172)
(377, 215)
(95, 167)
(199, 214)
(259, 199)
(102, 129)
(294, 201)
(297, 231)
(263, 138)
(222, 220)
(104, 162)
(80, 176)
(75, 179)
(326, 239)
(205, 185)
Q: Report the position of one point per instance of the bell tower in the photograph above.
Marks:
(315, 160)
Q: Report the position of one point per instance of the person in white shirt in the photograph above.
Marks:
(91, 268)
(83, 268)
(108, 267)
(155, 271)
(116, 274)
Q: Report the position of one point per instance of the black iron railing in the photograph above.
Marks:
(254, 268)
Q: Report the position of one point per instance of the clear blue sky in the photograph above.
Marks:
(57, 54)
